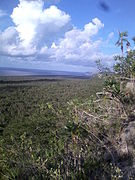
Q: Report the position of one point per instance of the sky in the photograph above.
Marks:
(68, 35)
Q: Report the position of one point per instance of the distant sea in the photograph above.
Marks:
(5, 71)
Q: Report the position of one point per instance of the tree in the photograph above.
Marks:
(133, 39)
(125, 65)
(123, 38)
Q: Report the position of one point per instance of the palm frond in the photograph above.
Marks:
(124, 39)
(118, 42)
(125, 34)
(128, 43)
(133, 39)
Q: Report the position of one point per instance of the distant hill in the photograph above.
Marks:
(5, 71)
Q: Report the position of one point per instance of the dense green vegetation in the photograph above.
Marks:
(36, 111)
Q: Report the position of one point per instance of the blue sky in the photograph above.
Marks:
(62, 34)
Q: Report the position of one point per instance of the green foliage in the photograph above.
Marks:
(36, 140)
(111, 84)
(125, 66)
(102, 69)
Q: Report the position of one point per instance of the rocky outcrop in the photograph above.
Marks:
(130, 86)
(127, 151)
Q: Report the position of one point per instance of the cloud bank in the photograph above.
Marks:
(48, 35)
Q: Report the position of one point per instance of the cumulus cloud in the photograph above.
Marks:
(47, 35)
(7, 40)
(11, 45)
(77, 46)
(33, 29)
(37, 23)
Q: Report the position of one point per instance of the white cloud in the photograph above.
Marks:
(34, 23)
(33, 29)
(25, 17)
(47, 35)
(77, 46)
(93, 27)
(111, 35)
(11, 45)
(7, 40)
